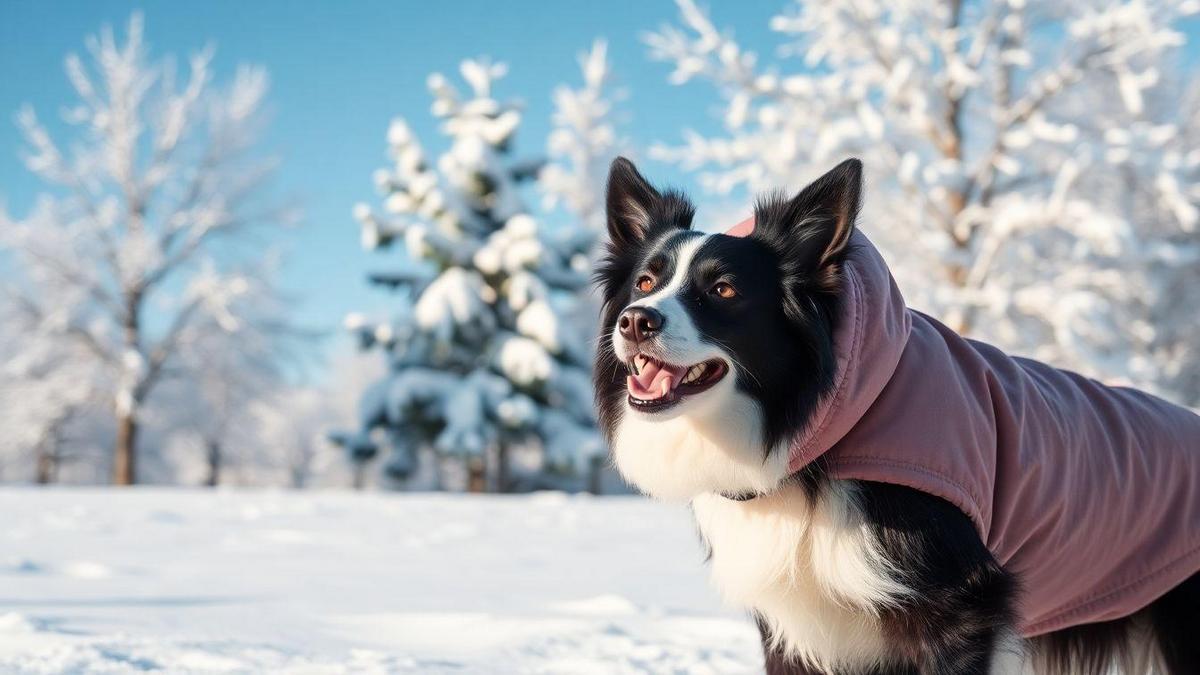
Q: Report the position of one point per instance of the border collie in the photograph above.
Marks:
(715, 353)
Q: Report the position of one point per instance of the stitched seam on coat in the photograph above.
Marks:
(1096, 598)
(868, 460)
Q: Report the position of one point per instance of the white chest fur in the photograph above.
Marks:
(709, 443)
(809, 568)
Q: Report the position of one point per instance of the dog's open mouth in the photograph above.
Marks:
(654, 385)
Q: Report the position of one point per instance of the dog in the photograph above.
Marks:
(776, 382)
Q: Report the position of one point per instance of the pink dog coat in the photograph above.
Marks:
(1090, 494)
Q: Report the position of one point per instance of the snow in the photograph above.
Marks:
(186, 581)
(454, 298)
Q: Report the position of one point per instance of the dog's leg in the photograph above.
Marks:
(1010, 655)
(1176, 619)
(958, 619)
(777, 664)
(774, 662)
(980, 652)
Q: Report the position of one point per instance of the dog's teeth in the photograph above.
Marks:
(666, 387)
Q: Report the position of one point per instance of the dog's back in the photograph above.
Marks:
(1028, 452)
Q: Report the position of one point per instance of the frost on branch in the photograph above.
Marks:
(582, 143)
(1033, 170)
(119, 280)
(488, 360)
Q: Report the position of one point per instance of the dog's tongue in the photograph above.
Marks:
(654, 381)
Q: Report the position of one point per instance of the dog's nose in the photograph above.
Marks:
(640, 323)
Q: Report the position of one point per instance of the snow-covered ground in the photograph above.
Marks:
(106, 581)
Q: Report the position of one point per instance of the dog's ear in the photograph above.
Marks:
(831, 204)
(813, 228)
(631, 203)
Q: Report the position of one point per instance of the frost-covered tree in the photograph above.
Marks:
(1034, 167)
(484, 363)
(290, 444)
(121, 257)
(275, 438)
(582, 144)
(239, 362)
(45, 386)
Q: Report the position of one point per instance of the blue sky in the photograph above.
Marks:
(340, 72)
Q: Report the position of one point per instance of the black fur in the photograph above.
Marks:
(628, 248)
(962, 601)
(788, 272)
(963, 597)
(1175, 618)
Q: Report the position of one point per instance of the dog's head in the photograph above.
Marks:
(715, 349)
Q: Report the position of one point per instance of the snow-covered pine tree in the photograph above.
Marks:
(1033, 168)
(486, 367)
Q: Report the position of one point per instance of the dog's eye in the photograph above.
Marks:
(724, 290)
(645, 284)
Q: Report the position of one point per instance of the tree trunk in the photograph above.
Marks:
(125, 453)
(124, 469)
(45, 464)
(476, 475)
(360, 475)
(957, 200)
(596, 474)
(299, 477)
(502, 478)
(214, 463)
